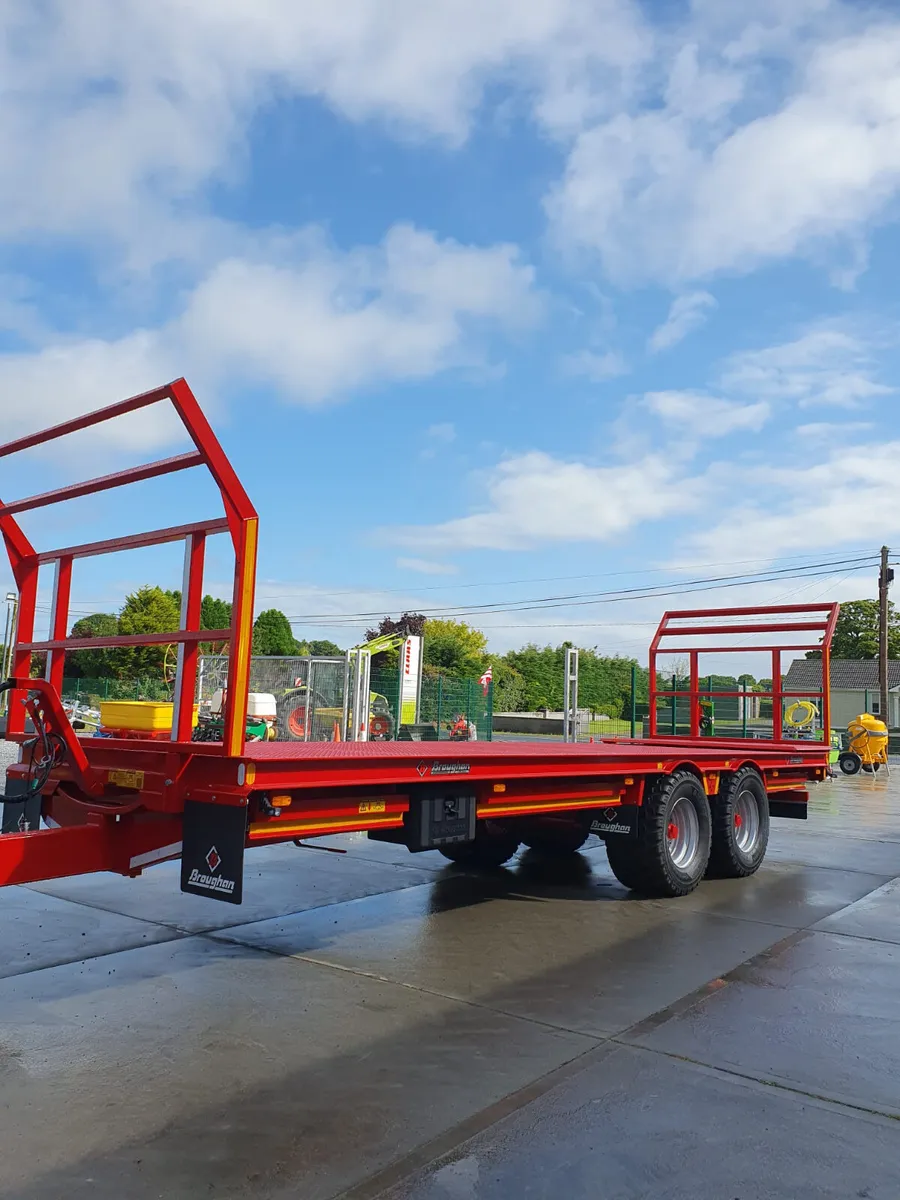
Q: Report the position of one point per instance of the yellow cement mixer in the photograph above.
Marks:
(868, 748)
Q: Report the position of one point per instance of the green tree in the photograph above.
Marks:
(272, 633)
(214, 614)
(409, 624)
(541, 668)
(148, 610)
(455, 648)
(509, 687)
(604, 681)
(856, 632)
(93, 664)
(323, 648)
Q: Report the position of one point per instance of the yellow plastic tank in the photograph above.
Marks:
(144, 716)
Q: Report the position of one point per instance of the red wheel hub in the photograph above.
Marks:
(671, 831)
(738, 820)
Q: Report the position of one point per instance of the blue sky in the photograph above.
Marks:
(487, 303)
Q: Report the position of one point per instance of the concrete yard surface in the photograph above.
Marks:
(379, 1024)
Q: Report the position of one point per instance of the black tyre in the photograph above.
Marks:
(740, 826)
(850, 763)
(555, 838)
(670, 854)
(493, 846)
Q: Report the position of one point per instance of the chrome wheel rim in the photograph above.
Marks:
(683, 834)
(746, 821)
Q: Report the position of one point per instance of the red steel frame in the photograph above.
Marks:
(117, 804)
(240, 521)
(725, 622)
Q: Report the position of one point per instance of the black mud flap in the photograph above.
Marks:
(20, 816)
(794, 810)
(212, 856)
(618, 820)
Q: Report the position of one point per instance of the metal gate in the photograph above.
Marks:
(310, 693)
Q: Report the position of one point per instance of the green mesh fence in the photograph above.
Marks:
(449, 708)
(746, 716)
(92, 691)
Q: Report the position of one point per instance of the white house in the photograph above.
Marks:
(854, 687)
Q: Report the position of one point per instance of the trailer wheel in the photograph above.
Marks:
(555, 838)
(493, 846)
(740, 826)
(850, 763)
(671, 852)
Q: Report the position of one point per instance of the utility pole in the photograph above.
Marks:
(885, 578)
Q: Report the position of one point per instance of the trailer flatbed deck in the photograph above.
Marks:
(669, 807)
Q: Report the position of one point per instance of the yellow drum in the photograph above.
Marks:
(868, 750)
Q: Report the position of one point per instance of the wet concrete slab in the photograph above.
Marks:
(788, 894)
(821, 1015)
(277, 879)
(40, 931)
(876, 916)
(576, 955)
(804, 844)
(637, 1126)
(202, 1068)
(863, 807)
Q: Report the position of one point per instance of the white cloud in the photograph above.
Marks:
(308, 320)
(595, 367)
(332, 323)
(831, 431)
(688, 312)
(444, 432)
(117, 114)
(700, 185)
(68, 378)
(318, 610)
(826, 366)
(426, 566)
(702, 416)
(847, 498)
(690, 152)
(535, 499)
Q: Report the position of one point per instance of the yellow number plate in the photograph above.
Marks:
(368, 806)
(127, 779)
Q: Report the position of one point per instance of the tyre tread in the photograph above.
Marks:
(643, 865)
(725, 861)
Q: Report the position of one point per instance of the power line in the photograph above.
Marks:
(670, 570)
(582, 599)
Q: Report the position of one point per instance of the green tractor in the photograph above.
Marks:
(300, 721)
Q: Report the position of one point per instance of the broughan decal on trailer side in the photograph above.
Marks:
(445, 768)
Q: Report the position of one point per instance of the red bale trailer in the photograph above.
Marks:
(671, 808)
